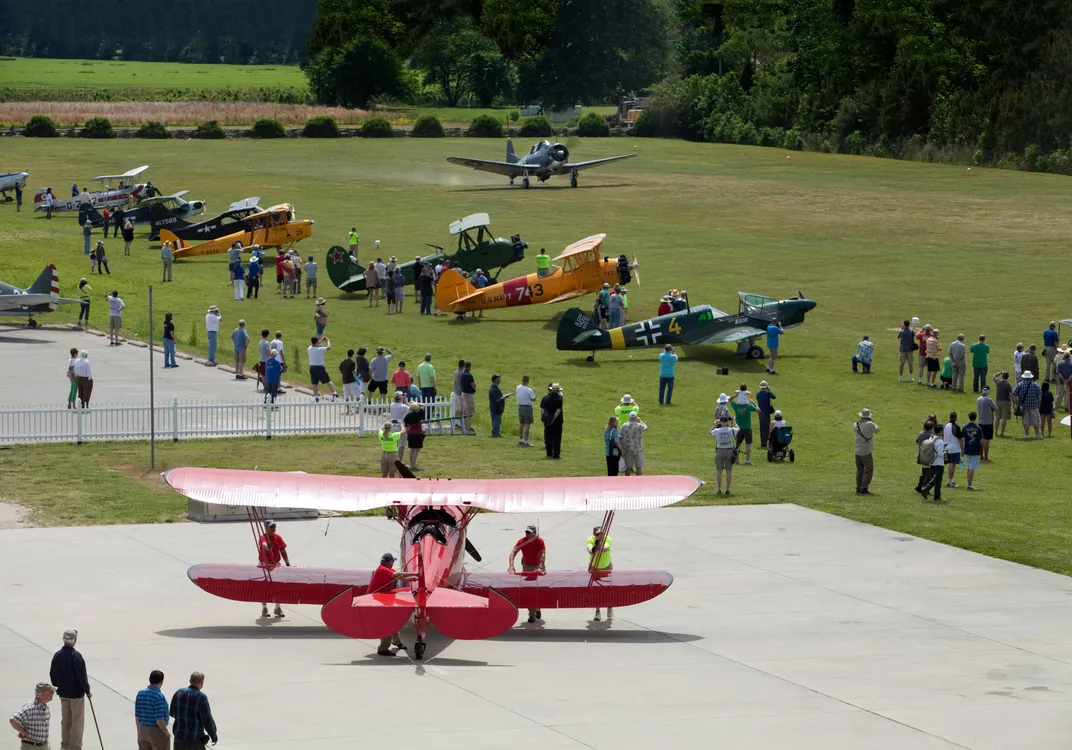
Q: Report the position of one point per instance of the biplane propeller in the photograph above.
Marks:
(434, 516)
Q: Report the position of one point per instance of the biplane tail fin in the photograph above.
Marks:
(452, 288)
(169, 236)
(511, 157)
(578, 331)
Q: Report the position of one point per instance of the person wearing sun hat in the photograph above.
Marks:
(1026, 395)
(763, 401)
(665, 308)
(864, 431)
(552, 416)
(625, 407)
(320, 316)
(722, 410)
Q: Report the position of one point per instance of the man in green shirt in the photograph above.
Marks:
(742, 416)
(543, 263)
(980, 363)
(353, 240)
(604, 562)
(426, 378)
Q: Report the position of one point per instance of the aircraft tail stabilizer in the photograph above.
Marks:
(169, 236)
(44, 283)
(370, 615)
(452, 287)
(578, 330)
(511, 157)
(468, 617)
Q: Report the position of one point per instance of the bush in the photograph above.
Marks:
(593, 125)
(322, 126)
(514, 115)
(427, 126)
(268, 128)
(485, 126)
(644, 126)
(152, 129)
(536, 127)
(209, 130)
(376, 127)
(98, 127)
(40, 126)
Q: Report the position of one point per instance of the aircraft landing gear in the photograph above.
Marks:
(591, 357)
(573, 179)
(32, 323)
(754, 352)
(525, 183)
(7, 198)
(418, 648)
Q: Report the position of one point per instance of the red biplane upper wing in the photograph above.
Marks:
(273, 489)
(561, 589)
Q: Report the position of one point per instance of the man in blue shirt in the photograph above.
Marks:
(253, 279)
(774, 330)
(1049, 343)
(667, 360)
(193, 716)
(273, 374)
(240, 340)
(151, 714)
(906, 339)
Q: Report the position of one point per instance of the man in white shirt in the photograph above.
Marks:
(277, 344)
(318, 373)
(83, 373)
(115, 318)
(212, 328)
(310, 277)
(863, 447)
(399, 409)
(525, 398)
(725, 440)
(937, 473)
(958, 353)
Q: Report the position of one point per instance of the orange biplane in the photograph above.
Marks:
(274, 227)
(434, 516)
(583, 271)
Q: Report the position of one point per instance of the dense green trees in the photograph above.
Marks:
(202, 31)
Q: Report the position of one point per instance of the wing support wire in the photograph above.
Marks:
(256, 525)
(597, 551)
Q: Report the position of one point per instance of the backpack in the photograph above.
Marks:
(927, 453)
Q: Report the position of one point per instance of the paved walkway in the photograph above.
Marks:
(784, 628)
(35, 367)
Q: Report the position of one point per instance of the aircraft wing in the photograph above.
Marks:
(131, 173)
(271, 489)
(245, 203)
(162, 198)
(17, 301)
(567, 295)
(582, 165)
(484, 165)
(737, 333)
(289, 585)
(569, 589)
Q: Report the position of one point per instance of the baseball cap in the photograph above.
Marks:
(387, 557)
(269, 522)
(70, 635)
(531, 527)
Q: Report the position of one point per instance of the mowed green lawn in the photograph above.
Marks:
(873, 241)
(47, 73)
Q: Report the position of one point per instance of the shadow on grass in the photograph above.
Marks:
(542, 187)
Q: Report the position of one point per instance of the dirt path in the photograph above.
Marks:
(14, 516)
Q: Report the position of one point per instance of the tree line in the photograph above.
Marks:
(194, 31)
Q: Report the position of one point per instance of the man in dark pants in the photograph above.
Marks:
(551, 415)
(117, 223)
(68, 674)
(194, 725)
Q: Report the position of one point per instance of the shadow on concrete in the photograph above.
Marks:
(24, 340)
(274, 630)
(596, 631)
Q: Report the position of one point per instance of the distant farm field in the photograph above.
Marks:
(46, 74)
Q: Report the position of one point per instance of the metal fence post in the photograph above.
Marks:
(174, 419)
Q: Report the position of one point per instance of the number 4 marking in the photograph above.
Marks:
(674, 326)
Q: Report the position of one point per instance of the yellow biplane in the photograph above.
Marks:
(275, 227)
(582, 271)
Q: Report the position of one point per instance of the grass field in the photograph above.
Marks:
(873, 241)
(45, 74)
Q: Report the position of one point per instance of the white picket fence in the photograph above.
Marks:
(177, 419)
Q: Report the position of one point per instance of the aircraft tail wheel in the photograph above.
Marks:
(418, 649)
(755, 352)
(590, 358)
(792, 456)
(8, 199)
(525, 182)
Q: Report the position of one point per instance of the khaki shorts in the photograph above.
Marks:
(1031, 418)
(634, 461)
(468, 404)
(724, 459)
(524, 414)
(115, 322)
(240, 357)
(906, 358)
(1004, 410)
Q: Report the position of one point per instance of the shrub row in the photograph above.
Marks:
(426, 126)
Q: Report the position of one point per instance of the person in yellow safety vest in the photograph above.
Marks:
(603, 563)
(353, 240)
(625, 407)
(389, 437)
(543, 264)
(624, 294)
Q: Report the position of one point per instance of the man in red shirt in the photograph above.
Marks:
(280, 259)
(921, 340)
(384, 580)
(533, 559)
(271, 548)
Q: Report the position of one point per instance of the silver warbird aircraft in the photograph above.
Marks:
(8, 182)
(40, 298)
(544, 160)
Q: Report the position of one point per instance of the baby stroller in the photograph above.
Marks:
(778, 444)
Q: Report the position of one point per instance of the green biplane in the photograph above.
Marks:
(476, 248)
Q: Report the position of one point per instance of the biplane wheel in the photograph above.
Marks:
(418, 649)
(525, 183)
(754, 352)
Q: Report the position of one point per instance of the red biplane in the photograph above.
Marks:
(434, 515)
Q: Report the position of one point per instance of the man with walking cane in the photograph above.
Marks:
(68, 674)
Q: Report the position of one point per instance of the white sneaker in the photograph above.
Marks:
(899, 378)
(971, 487)
(597, 618)
(911, 379)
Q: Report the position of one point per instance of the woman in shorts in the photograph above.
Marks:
(414, 425)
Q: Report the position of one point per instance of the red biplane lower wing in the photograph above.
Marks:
(248, 583)
(468, 617)
(571, 589)
(357, 615)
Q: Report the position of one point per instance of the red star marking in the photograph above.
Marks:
(337, 256)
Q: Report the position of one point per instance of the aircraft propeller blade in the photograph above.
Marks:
(405, 473)
(636, 266)
(472, 550)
